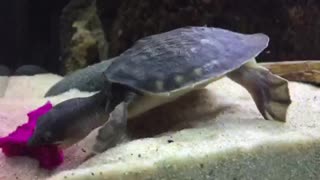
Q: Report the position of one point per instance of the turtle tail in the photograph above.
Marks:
(269, 91)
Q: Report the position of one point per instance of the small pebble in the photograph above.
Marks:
(201, 165)
(170, 141)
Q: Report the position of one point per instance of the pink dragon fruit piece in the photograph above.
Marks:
(15, 144)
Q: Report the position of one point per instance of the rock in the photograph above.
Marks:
(28, 87)
(294, 35)
(82, 38)
(25, 93)
(29, 70)
(217, 133)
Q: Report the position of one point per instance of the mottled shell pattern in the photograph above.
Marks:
(176, 59)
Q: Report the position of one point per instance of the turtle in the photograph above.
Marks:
(158, 69)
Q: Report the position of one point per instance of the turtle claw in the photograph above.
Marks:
(114, 130)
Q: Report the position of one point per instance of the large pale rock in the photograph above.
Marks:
(23, 94)
(215, 133)
(226, 138)
(30, 86)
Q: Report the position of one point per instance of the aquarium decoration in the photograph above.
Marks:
(15, 144)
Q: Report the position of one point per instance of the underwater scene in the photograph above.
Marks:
(160, 90)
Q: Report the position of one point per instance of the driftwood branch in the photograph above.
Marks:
(301, 71)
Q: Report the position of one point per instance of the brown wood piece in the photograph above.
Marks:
(301, 71)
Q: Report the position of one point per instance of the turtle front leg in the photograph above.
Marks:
(269, 91)
(114, 130)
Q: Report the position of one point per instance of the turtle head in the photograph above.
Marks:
(68, 122)
(52, 128)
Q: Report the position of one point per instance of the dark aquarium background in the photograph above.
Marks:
(64, 35)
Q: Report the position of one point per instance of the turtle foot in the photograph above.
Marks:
(273, 98)
(269, 91)
(113, 131)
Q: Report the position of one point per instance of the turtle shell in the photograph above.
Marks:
(178, 59)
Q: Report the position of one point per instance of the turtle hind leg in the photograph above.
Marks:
(269, 91)
(114, 130)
